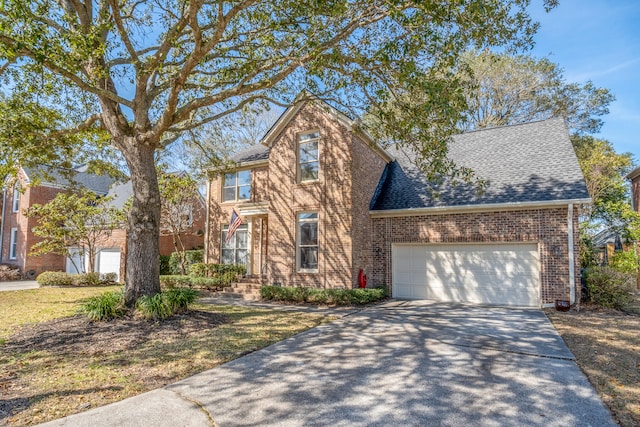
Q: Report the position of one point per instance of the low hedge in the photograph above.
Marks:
(214, 270)
(59, 278)
(179, 281)
(323, 296)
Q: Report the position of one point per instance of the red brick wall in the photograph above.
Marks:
(366, 171)
(220, 212)
(635, 193)
(193, 237)
(547, 227)
(26, 238)
(330, 196)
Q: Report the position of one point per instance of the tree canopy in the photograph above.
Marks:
(504, 89)
(146, 71)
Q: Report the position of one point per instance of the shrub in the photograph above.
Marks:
(625, 262)
(230, 271)
(106, 306)
(55, 278)
(154, 307)
(175, 281)
(322, 296)
(165, 268)
(178, 281)
(179, 299)
(9, 272)
(59, 278)
(609, 288)
(87, 279)
(191, 257)
(108, 278)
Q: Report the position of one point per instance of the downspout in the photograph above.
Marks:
(2, 224)
(572, 267)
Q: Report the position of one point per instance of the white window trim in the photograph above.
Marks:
(13, 245)
(298, 163)
(16, 200)
(236, 186)
(298, 222)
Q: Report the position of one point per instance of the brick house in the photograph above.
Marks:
(320, 201)
(17, 238)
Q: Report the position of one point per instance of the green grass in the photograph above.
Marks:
(19, 308)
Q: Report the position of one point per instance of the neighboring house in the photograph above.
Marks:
(320, 201)
(606, 243)
(17, 238)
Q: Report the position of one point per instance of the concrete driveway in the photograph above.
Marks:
(401, 363)
(18, 285)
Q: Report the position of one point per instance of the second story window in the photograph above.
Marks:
(16, 199)
(308, 156)
(236, 186)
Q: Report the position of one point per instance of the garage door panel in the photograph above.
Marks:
(504, 274)
(109, 261)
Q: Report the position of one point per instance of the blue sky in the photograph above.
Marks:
(598, 40)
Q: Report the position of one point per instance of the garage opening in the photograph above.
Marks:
(496, 274)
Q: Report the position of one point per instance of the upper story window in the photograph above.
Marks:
(308, 156)
(236, 186)
(16, 199)
(307, 242)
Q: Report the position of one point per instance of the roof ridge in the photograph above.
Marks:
(509, 126)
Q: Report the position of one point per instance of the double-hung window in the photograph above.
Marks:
(308, 156)
(236, 186)
(307, 241)
(235, 250)
(13, 244)
(16, 199)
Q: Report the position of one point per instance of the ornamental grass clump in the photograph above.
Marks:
(106, 306)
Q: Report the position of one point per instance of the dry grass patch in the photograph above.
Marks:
(68, 365)
(38, 305)
(606, 344)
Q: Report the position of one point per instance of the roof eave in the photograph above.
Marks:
(633, 174)
(489, 207)
(238, 165)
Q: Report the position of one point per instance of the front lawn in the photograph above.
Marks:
(53, 364)
(606, 344)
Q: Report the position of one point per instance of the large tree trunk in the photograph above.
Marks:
(143, 263)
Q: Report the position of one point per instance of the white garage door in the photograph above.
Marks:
(109, 261)
(500, 274)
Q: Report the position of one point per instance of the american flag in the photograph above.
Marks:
(235, 222)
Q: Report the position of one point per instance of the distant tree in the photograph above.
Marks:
(503, 89)
(212, 145)
(179, 194)
(80, 220)
(604, 171)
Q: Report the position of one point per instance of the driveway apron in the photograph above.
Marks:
(400, 363)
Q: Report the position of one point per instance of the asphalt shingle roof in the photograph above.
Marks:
(99, 184)
(252, 154)
(533, 162)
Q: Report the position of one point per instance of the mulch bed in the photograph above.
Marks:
(73, 335)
